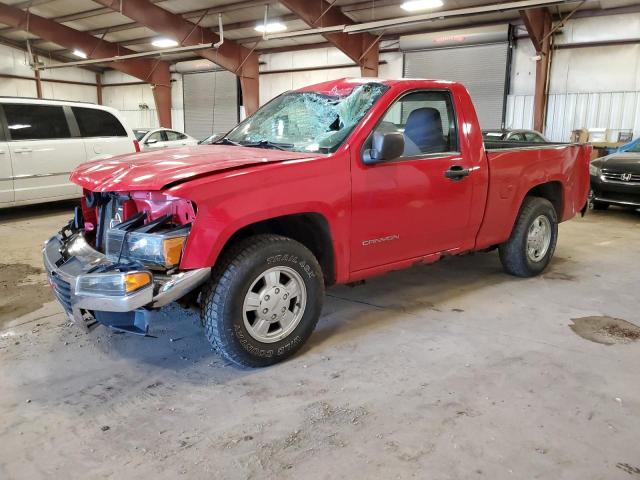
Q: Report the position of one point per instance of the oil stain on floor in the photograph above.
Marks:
(23, 289)
(606, 330)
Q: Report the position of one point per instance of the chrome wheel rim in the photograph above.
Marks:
(274, 304)
(538, 238)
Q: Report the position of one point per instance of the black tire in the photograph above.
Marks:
(222, 299)
(513, 252)
(600, 205)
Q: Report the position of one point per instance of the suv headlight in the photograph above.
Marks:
(151, 249)
(594, 170)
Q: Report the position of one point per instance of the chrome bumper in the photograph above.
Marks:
(64, 274)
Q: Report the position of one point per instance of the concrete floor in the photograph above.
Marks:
(448, 371)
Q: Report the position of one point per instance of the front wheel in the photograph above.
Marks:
(264, 301)
(533, 239)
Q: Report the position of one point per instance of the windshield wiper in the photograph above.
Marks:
(226, 141)
(269, 144)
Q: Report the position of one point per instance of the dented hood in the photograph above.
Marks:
(155, 169)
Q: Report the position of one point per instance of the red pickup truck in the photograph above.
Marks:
(332, 183)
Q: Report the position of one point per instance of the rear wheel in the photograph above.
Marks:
(533, 239)
(264, 301)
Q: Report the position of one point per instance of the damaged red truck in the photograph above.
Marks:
(332, 183)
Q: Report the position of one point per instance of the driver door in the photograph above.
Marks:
(407, 208)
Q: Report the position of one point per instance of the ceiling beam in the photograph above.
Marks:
(539, 24)
(229, 55)
(155, 72)
(190, 15)
(362, 48)
(42, 53)
(227, 28)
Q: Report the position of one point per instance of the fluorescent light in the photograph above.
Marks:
(272, 27)
(415, 5)
(164, 43)
(79, 53)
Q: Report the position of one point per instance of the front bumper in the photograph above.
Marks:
(615, 192)
(79, 258)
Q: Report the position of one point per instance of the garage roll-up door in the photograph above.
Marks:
(482, 68)
(210, 103)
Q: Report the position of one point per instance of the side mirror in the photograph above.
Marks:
(385, 146)
(151, 141)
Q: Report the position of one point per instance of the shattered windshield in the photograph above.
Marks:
(307, 121)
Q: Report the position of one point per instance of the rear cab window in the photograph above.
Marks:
(36, 122)
(93, 122)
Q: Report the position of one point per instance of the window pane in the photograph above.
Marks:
(171, 135)
(33, 122)
(155, 136)
(98, 123)
(533, 137)
(427, 122)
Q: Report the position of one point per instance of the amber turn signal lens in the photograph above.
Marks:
(135, 281)
(173, 250)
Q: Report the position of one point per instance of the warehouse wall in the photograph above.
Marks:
(14, 62)
(136, 103)
(273, 84)
(592, 87)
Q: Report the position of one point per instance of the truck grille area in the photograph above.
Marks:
(62, 291)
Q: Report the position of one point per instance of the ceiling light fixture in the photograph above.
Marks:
(272, 27)
(79, 53)
(164, 43)
(417, 5)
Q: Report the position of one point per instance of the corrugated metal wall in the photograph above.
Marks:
(481, 68)
(570, 111)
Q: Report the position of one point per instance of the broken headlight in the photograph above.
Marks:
(155, 244)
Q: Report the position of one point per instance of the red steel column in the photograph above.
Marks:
(230, 56)
(539, 24)
(155, 72)
(362, 48)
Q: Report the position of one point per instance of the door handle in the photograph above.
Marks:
(24, 150)
(456, 172)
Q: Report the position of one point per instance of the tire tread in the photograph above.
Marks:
(513, 259)
(214, 298)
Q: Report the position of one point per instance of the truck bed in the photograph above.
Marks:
(510, 144)
(515, 166)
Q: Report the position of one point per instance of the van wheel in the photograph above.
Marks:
(533, 239)
(264, 301)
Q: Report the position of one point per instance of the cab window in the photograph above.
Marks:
(427, 122)
(157, 136)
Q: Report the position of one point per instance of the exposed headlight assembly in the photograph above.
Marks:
(112, 284)
(152, 244)
(594, 170)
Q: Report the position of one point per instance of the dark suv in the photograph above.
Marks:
(615, 179)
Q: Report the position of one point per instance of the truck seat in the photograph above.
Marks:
(423, 132)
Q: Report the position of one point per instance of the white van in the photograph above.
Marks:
(43, 141)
